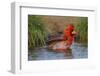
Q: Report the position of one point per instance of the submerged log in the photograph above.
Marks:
(54, 39)
(60, 46)
(57, 43)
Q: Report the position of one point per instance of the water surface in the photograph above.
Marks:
(78, 51)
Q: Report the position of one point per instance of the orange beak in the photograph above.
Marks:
(74, 33)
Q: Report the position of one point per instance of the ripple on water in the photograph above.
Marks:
(78, 52)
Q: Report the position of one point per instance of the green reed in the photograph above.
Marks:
(36, 32)
(82, 27)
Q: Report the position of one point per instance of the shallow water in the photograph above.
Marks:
(78, 51)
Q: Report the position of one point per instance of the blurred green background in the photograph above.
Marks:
(39, 27)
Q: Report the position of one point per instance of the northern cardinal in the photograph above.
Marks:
(69, 35)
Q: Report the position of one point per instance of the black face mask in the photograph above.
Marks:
(71, 32)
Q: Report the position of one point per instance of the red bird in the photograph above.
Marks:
(69, 35)
(67, 40)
